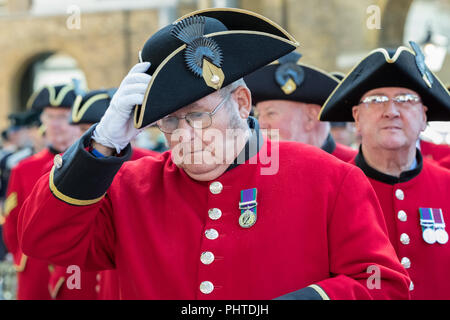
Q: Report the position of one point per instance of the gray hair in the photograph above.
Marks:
(231, 87)
(235, 121)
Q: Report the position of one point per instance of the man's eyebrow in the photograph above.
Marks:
(376, 93)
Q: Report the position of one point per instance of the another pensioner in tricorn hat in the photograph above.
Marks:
(288, 79)
(203, 52)
(404, 67)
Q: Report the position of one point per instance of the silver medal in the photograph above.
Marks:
(441, 236)
(429, 236)
(247, 219)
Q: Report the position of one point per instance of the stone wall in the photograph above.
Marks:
(333, 34)
(105, 47)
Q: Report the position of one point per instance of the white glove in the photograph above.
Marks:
(116, 128)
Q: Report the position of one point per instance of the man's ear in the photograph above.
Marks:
(355, 112)
(243, 97)
(425, 118)
(312, 114)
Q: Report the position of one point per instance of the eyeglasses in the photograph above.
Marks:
(405, 100)
(197, 120)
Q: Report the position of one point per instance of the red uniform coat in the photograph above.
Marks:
(433, 151)
(344, 152)
(319, 222)
(445, 162)
(428, 265)
(108, 281)
(36, 280)
(338, 150)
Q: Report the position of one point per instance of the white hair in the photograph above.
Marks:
(231, 87)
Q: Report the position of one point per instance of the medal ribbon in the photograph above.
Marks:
(248, 201)
(426, 218)
(438, 218)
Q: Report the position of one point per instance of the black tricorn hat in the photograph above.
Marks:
(61, 96)
(203, 52)
(91, 107)
(287, 79)
(28, 118)
(404, 67)
(338, 75)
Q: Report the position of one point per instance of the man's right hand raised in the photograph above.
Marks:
(116, 128)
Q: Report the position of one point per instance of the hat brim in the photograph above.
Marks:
(90, 109)
(314, 89)
(240, 19)
(172, 88)
(379, 70)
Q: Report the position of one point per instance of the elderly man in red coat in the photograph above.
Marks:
(288, 96)
(226, 214)
(87, 110)
(390, 95)
(38, 279)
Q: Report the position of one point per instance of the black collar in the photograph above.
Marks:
(53, 150)
(252, 146)
(329, 145)
(391, 180)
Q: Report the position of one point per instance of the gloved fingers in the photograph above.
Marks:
(136, 78)
(127, 103)
(140, 67)
(138, 88)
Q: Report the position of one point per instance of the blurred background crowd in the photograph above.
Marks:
(52, 42)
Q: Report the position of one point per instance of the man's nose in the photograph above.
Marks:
(263, 123)
(390, 110)
(184, 131)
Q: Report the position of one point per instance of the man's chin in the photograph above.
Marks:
(195, 159)
(394, 144)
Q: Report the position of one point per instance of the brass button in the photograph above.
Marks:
(58, 161)
(207, 257)
(216, 187)
(215, 214)
(206, 287)
(400, 194)
(404, 239)
(211, 234)
(406, 263)
(402, 216)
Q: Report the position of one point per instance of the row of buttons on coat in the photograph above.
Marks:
(207, 258)
(404, 238)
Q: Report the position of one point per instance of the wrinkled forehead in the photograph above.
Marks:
(56, 110)
(389, 92)
(283, 105)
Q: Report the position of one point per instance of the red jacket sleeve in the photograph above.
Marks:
(14, 200)
(357, 215)
(66, 234)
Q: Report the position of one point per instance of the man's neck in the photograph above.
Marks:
(390, 162)
(318, 138)
(230, 155)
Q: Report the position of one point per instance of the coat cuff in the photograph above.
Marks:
(313, 292)
(79, 178)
